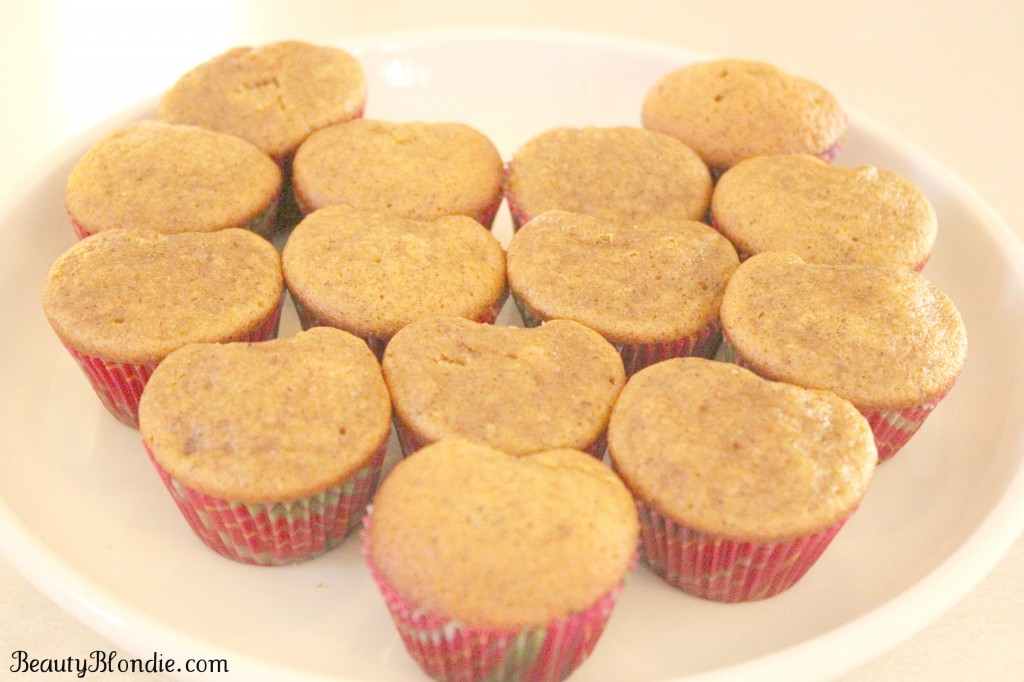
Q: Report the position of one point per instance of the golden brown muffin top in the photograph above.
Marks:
(881, 336)
(373, 273)
(632, 283)
(622, 174)
(273, 95)
(468, 532)
(416, 170)
(520, 390)
(823, 213)
(265, 422)
(136, 295)
(170, 178)
(732, 109)
(721, 450)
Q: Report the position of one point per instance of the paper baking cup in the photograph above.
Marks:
(119, 385)
(279, 533)
(635, 356)
(892, 429)
(723, 570)
(308, 320)
(450, 651)
(487, 215)
(519, 217)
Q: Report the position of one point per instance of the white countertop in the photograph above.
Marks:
(947, 76)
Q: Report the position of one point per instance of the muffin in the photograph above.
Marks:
(619, 174)
(373, 273)
(653, 291)
(120, 301)
(172, 178)
(270, 450)
(732, 109)
(273, 95)
(881, 336)
(416, 170)
(823, 213)
(500, 567)
(519, 390)
(741, 483)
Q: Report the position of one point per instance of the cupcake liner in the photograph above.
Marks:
(308, 320)
(723, 570)
(892, 429)
(487, 215)
(119, 385)
(409, 441)
(635, 356)
(519, 217)
(279, 533)
(451, 651)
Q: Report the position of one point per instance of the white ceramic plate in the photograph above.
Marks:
(83, 515)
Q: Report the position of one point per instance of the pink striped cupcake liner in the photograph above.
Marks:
(451, 651)
(308, 320)
(519, 217)
(279, 533)
(702, 343)
(892, 429)
(724, 570)
(487, 215)
(119, 385)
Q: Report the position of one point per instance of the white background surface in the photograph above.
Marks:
(947, 76)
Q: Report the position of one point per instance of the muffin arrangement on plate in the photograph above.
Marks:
(721, 336)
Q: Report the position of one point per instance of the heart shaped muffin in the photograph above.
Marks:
(500, 567)
(272, 95)
(621, 174)
(120, 301)
(521, 390)
(652, 290)
(729, 110)
(741, 482)
(881, 336)
(371, 273)
(172, 178)
(270, 450)
(413, 169)
(824, 213)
